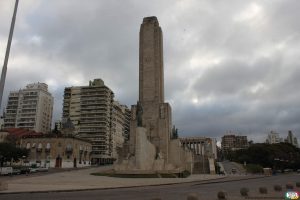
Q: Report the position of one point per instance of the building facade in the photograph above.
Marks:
(96, 117)
(30, 108)
(273, 138)
(59, 152)
(127, 123)
(292, 139)
(234, 142)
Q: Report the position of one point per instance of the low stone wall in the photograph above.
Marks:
(179, 157)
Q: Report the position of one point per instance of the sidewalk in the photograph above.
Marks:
(82, 180)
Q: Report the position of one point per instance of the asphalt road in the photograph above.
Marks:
(206, 191)
(229, 165)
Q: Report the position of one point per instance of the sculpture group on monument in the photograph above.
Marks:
(150, 148)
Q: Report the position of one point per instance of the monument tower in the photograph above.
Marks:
(150, 147)
(156, 116)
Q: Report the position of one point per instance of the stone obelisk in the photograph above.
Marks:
(150, 149)
(4, 69)
(156, 115)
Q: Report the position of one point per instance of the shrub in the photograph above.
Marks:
(263, 190)
(253, 168)
(244, 192)
(184, 174)
(277, 188)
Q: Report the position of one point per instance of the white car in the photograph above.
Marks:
(33, 170)
(6, 170)
(42, 169)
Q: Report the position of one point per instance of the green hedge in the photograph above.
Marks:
(255, 169)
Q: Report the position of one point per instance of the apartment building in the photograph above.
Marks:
(96, 117)
(119, 126)
(127, 123)
(30, 108)
(273, 138)
(292, 139)
(234, 142)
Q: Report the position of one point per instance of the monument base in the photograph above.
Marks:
(144, 159)
(147, 161)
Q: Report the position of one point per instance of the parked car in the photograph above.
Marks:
(288, 170)
(25, 170)
(16, 171)
(42, 169)
(33, 170)
(6, 170)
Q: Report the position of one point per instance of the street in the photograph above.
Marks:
(206, 191)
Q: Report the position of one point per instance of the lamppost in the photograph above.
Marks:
(4, 68)
(1, 157)
(1, 161)
(47, 165)
(202, 151)
(23, 160)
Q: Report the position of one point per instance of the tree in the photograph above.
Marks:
(277, 156)
(174, 133)
(9, 151)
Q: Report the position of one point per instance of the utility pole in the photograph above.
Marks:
(4, 69)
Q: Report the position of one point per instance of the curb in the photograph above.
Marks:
(203, 182)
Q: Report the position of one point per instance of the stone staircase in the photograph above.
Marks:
(201, 165)
(240, 167)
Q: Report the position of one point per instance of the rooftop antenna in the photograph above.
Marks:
(4, 69)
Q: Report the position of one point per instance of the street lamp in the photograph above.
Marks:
(202, 151)
(1, 162)
(23, 159)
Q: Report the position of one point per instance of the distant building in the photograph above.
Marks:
(119, 123)
(234, 142)
(96, 117)
(3, 136)
(273, 138)
(1, 122)
(50, 150)
(292, 139)
(58, 125)
(127, 123)
(30, 108)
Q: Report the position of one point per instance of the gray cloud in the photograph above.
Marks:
(228, 65)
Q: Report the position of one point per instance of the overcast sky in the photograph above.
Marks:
(229, 65)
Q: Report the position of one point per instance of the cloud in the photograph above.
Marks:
(228, 65)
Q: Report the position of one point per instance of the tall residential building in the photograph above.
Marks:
(234, 142)
(127, 123)
(119, 125)
(273, 138)
(30, 108)
(96, 117)
(291, 139)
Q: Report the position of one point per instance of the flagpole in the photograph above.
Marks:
(4, 69)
